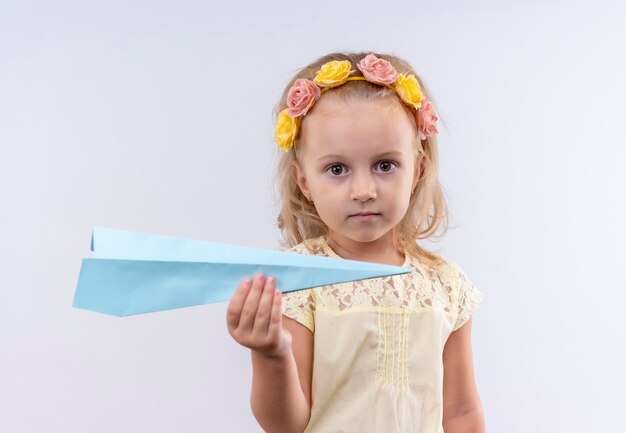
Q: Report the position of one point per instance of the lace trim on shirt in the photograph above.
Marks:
(440, 288)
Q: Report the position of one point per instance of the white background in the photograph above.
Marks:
(156, 116)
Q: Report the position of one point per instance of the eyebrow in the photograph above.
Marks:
(380, 155)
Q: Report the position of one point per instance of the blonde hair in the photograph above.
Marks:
(427, 211)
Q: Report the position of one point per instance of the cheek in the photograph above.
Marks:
(322, 187)
(327, 198)
(399, 192)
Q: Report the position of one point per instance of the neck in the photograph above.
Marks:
(381, 250)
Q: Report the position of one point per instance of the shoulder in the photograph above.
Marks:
(312, 246)
(465, 295)
(449, 274)
(448, 271)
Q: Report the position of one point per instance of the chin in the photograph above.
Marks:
(367, 235)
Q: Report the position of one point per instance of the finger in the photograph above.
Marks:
(264, 310)
(276, 319)
(248, 312)
(233, 312)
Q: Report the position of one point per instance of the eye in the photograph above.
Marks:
(386, 166)
(335, 169)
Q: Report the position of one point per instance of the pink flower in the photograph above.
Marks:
(301, 97)
(378, 70)
(427, 120)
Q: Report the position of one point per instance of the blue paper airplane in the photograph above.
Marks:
(135, 273)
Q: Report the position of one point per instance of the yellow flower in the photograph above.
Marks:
(409, 90)
(333, 73)
(286, 130)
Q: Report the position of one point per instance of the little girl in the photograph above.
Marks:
(358, 176)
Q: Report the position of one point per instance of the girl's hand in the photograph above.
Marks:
(254, 317)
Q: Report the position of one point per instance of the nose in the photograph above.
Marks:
(363, 187)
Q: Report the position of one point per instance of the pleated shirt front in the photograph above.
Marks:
(378, 345)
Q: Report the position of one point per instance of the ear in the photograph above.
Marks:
(300, 178)
(417, 173)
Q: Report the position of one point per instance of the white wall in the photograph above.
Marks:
(136, 115)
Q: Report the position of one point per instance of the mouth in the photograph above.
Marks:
(365, 214)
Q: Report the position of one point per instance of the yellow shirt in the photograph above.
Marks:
(378, 345)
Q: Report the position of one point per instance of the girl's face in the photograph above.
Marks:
(357, 158)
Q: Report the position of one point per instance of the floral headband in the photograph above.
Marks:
(303, 94)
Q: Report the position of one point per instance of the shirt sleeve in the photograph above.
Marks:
(468, 297)
(300, 306)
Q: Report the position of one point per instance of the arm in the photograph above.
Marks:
(281, 355)
(470, 422)
(281, 387)
(462, 408)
